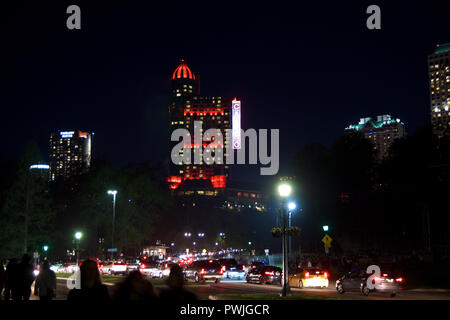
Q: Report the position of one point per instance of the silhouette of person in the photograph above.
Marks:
(25, 278)
(135, 287)
(2, 278)
(176, 292)
(11, 280)
(92, 288)
(45, 285)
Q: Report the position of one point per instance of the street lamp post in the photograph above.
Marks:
(284, 191)
(78, 236)
(291, 207)
(113, 193)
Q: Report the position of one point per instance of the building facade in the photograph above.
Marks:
(381, 132)
(70, 153)
(195, 113)
(439, 74)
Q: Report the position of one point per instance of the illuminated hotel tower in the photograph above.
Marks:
(439, 73)
(187, 106)
(70, 153)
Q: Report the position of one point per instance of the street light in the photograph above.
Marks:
(284, 190)
(291, 207)
(113, 193)
(78, 236)
(201, 235)
(187, 234)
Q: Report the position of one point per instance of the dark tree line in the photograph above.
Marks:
(374, 206)
(35, 212)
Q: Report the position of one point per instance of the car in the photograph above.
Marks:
(253, 265)
(113, 268)
(203, 270)
(69, 268)
(227, 264)
(57, 268)
(357, 281)
(265, 275)
(150, 269)
(236, 272)
(166, 267)
(132, 266)
(309, 277)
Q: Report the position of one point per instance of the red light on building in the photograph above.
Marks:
(183, 71)
(174, 182)
(219, 181)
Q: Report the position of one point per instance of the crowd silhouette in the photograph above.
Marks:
(17, 279)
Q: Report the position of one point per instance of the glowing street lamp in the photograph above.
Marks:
(284, 190)
(78, 236)
(113, 193)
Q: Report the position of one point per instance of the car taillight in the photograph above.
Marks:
(142, 266)
(243, 268)
(268, 273)
(307, 275)
(222, 270)
(385, 274)
(399, 279)
(202, 271)
(378, 279)
(317, 272)
(325, 274)
(166, 266)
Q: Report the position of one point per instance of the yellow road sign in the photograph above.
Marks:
(327, 241)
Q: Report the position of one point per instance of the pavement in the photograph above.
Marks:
(211, 290)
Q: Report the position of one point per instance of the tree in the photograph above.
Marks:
(27, 212)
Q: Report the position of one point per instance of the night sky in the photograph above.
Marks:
(309, 70)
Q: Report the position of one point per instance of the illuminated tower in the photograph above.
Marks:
(381, 132)
(187, 106)
(439, 73)
(70, 153)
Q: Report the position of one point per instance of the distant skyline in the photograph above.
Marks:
(309, 71)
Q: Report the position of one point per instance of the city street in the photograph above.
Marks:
(209, 290)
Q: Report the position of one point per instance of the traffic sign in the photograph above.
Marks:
(112, 250)
(327, 240)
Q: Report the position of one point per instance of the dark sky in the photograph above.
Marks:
(309, 70)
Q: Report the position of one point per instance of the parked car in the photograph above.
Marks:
(253, 265)
(57, 268)
(357, 281)
(203, 270)
(236, 272)
(309, 277)
(113, 268)
(150, 269)
(265, 275)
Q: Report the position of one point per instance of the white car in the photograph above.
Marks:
(235, 273)
(113, 268)
(57, 268)
(150, 269)
(68, 268)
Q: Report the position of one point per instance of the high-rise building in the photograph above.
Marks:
(439, 73)
(382, 132)
(70, 153)
(188, 108)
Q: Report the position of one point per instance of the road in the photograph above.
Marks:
(205, 291)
